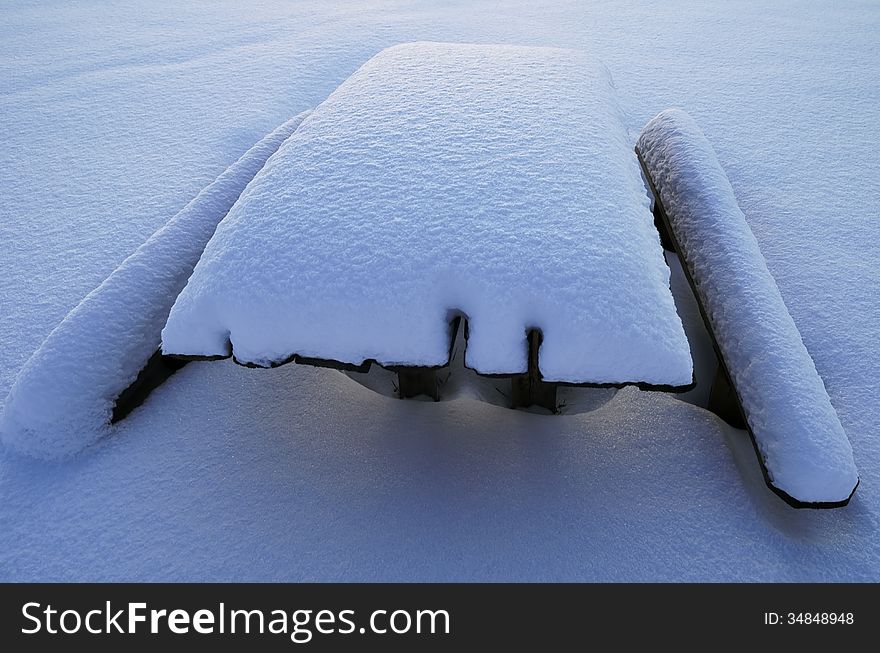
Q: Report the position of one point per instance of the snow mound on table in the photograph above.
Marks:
(63, 398)
(491, 181)
(805, 450)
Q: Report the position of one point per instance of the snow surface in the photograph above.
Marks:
(801, 440)
(493, 181)
(64, 395)
(115, 116)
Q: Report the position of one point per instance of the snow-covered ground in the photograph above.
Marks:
(114, 117)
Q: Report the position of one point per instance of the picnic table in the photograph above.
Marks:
(492, 188)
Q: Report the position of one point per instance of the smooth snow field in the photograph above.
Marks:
(115, 116)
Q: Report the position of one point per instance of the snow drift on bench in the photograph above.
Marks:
(496, 182)
(63, 398)
(806, 455)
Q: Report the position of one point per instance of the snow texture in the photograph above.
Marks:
(805, 449)
(493, 181)
(64, 395)
(115, 115)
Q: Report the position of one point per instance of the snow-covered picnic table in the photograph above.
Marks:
(443, 183)
(496, 183)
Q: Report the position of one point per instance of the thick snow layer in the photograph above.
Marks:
(495, 181)
(115, 116)
(804, 447)
(64, 395)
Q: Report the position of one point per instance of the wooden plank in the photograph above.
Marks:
(415, 381)
(723, 401)
(530, 389)
(661, 222)
(157, 370)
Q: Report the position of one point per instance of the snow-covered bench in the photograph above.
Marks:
(102, 359)
(765, 371)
